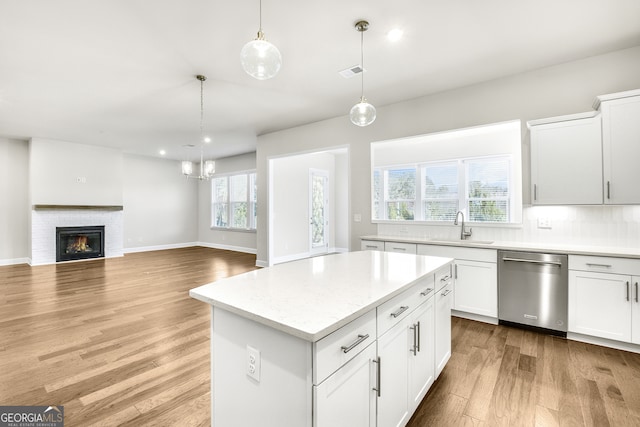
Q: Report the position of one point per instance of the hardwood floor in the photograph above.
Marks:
(119, 342)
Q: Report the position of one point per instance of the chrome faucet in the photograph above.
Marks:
(463, 234)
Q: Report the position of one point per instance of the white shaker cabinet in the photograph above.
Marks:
(566, 160)
(475, 275)
(444, 304)
(421, 352)
(604, 298)
(354, 384)
(621, 146)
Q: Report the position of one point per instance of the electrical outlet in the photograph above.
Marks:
(253, 363)
(544, 223)
(357, 218)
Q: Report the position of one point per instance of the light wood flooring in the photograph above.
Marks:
(119, 342)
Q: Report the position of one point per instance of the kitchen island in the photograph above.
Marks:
(345, 339)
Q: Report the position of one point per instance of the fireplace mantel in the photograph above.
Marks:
(78, 207)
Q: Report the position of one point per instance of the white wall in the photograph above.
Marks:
(242, 241)
(160, 205)
(563, 89)
(66, 173)
(14, 201)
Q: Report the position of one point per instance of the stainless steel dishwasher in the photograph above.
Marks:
(533, 291)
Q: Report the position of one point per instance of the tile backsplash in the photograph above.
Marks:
(611, 226)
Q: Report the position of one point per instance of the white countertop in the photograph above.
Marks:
(313, 297)
(516, 246)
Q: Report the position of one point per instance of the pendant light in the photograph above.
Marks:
(260, 59)
(208, 167)
(363, 113)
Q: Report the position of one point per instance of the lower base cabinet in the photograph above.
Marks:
(443, 306)
(406, 365)
(348, 397)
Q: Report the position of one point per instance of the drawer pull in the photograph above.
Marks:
(445, 293)
(590, 264)
(628, 291)
(399, 249)
(371, 246)
(445, 278)
(401, 310)
(426, 292)
(418, 333)
(377, 387)
(636, 291)
(361, 338)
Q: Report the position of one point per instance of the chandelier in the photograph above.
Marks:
(208, 167)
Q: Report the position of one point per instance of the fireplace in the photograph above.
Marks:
(73, 243)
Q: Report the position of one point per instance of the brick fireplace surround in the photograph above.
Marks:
(45, 219)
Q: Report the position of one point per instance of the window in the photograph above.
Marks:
(233, 201)
(436, 191)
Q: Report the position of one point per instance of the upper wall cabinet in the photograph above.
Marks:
(620, 146)
(566, 160)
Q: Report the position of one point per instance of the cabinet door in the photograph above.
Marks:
(566, 162)
(347, 398)
(393, 351)
(599, 305)
(635, 315)
(421, 358)
(476, 287)
(621, 150)
(444, 302)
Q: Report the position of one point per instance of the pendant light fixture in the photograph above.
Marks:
(363, 113)
(260, 59)
(208, 167)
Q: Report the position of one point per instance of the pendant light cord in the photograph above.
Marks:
(201, 126)
(362, 64)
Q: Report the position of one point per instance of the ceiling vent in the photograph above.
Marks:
(351, 71)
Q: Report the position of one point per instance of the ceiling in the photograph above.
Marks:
(121, 73)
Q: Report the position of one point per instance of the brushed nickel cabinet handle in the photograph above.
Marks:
(535, 191)
(636, 291)
(608, 190)
(414, 347)
(399, 311)
(418, 333)
(628, 291)
(426, 292)
(378, 381)
(591, 264)
(445, 278)
(361, 338)
(455, 267)
(445, 293)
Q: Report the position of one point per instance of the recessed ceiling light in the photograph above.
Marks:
(163, 152)
(395, 34)
(207, 139)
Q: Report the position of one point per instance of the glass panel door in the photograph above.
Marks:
(319, 211)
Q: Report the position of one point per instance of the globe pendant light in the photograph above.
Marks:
(208, 167)
(363, 113)
(260, 59)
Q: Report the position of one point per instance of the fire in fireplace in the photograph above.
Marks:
(73, 243)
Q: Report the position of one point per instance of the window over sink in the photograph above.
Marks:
(430, 178)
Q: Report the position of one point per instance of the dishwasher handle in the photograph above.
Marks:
(532, 261)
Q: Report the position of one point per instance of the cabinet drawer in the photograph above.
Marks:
(443, 277)
(397, 308)
(371, 245)
(604, 264)
(457, 252)
(337, 348)
(407, 248)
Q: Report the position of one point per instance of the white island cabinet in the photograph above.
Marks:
(304, 343)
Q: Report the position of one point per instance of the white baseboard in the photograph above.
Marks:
(292, 257)
(14, 261)
(261, 263)
(619, 345)
(227, 247)
(476, 317)
(159, 247)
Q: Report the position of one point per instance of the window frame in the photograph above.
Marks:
(463, 188)
(251, 201)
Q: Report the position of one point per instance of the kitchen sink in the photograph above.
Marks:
(475, 242)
